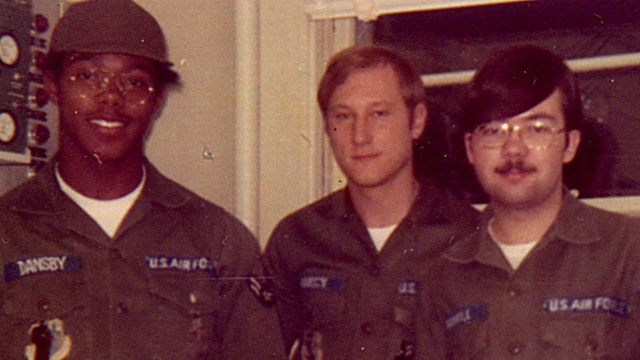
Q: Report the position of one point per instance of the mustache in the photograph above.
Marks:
(518, 166)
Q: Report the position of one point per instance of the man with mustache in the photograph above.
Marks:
(102, 256)
(545, 276)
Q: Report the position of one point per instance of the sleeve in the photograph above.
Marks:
(634, 251)
(251, 329)
(277, 266)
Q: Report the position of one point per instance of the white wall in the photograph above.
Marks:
(285, 132)
(200, 117)
(293, 163)
(296, 164)
(201, 39)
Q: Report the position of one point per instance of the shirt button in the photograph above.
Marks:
(592, 345)
(122, 308)
(514, 290)
(516, 347)
(114, 253)
(374, 270)
(367, 328)
(44, 304)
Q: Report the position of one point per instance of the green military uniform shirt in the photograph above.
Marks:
(171, 284)
(337, 296)
(575, 296)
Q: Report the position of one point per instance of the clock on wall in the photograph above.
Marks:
(7, 127)
(9, 50)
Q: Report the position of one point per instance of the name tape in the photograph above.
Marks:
(41, 264)
(467, 315)
(317, 282)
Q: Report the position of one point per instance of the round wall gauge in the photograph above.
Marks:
(7, 127)
(9, 50)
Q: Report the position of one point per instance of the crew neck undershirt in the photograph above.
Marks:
(515, 253)
(107, 213)
(381, 235)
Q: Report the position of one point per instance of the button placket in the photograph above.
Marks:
(374, 270)
(514, 290)
(122, 308)
(512, 304)
(44, 304)
(367, 328)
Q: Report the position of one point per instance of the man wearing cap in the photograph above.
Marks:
(102, 256)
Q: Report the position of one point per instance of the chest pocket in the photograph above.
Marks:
(324, 299)
(44, 295)
(600, 337)
(184, 310)
(406, 303)
(56, 298)
(467, 333)
(469, 342)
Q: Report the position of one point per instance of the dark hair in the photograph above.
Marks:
(515, 80)
(356, 58)
(165, 77)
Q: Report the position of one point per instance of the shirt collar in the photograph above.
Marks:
(574, 224)
(433, 205)
(42, 194)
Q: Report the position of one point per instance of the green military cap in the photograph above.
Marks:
(110, 26)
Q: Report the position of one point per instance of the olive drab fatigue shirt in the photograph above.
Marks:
(170, 284)
(337, 296)
(576, 295)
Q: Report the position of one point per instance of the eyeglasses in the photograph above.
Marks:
(135, 87)
(536, 134)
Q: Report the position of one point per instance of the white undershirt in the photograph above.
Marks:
(107, 213)
(381, 235)
(514, 253)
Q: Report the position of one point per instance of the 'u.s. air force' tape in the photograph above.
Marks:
(589, 304)
(41, 264)
(174, 263)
